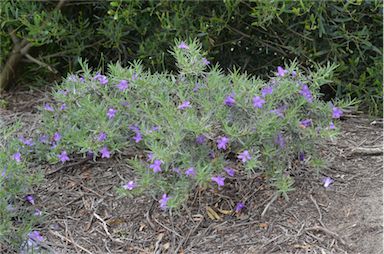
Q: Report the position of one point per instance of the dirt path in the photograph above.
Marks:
(83, 214)
(356, 206)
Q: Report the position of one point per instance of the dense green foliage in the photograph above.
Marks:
(254, 36)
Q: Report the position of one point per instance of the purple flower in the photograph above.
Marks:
(156, 166)
(90, 155)
(306, 93)
(43, 139)
(134, 128)
(124, 103)
(48, 107)
(102, 136)
(196, 88)
(306, 123)
(336, 112)
(183, 45)
(277, 112)
(239, 206)
(190, 172)
(327, 181)
(137, 138)
(266, 90)
(280, 71)
(280, 111)
(16, 157)
(229, 101)
(101, 78)
(30, 199)
(332, 126)
(34, 238)
(37, 212)
(211, 154)
(294, 74)
(244, 156)
(150, 156)
(229, 171)
(105, 152)
(258, 102)
(163, 201)
(63, 106)
(176, 170)
(4, 172)
(63, 156)
(205, 61)
(200, 139)
(129, 186)
(111, 113)
(280, 140)
(122, 85)
(56, 137)
(219, 180)
(184, 105)
(27, 142)
(222, 143)
(301, 156)
(134, 77)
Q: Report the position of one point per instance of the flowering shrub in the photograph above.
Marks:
(198, 127)
(18, 213)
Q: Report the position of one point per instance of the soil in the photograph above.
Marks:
(83, 213)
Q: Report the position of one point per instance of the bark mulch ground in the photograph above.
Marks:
(84, 215)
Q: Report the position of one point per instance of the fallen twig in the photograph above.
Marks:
(269, 204)
(185, 240)
(167, 228)
(105, 227)
(327, 231)
(367, 151)
(70, 241)
(318, 209)
(66, 166)
(148, 215)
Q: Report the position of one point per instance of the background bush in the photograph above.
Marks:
(254, 36)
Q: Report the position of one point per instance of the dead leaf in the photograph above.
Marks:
(225, 212)
(87, 174)
(71, 184)
(115, 221)
(212, 214)
(160, 236)
(263, 225)
(166, 246)
(302, 246)
(197, 217)
(142, 226)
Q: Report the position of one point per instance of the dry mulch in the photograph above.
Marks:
(84, 215)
